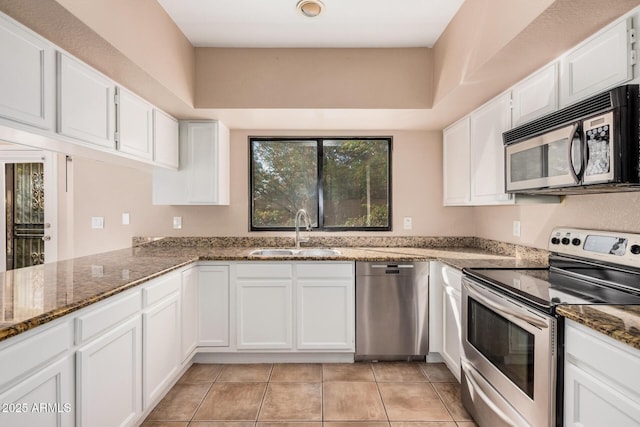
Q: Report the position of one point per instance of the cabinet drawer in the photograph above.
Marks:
(106, 316)
(161, 288)
(325, 270)
(603, 355)
(264, 270)
(27, 354)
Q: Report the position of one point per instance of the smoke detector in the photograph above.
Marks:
(310, 8)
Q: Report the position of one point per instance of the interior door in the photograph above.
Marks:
(29, 208)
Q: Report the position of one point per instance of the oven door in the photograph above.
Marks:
(553, 159)
(508, 361)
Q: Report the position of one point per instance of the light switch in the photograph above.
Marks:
(97, 222)
(126, 219)
(177, 222)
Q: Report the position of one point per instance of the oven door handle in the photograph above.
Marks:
(501, 309)
(471, 377)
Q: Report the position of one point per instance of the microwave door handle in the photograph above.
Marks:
(572, 137)
(504, 310)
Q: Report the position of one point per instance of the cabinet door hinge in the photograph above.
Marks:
(116, 98)
(633, 57)
(116, 138)
(632, 35)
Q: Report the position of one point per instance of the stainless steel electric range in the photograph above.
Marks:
(512, 339)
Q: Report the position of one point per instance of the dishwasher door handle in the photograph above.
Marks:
(392, 266)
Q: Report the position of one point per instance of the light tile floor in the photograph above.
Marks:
(385, 394)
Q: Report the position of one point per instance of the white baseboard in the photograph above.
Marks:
(273, 358)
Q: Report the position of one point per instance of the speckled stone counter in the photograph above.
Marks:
(621, 322)
(36, 295)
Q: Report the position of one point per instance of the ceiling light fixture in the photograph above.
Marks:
(310, 8)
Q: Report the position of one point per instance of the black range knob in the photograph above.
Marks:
(576, 241)
(555, 240)
(565, 241)
(635, 249)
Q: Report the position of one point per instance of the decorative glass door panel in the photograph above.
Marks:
(25, 214)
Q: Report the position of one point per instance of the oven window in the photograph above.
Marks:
(509, 347)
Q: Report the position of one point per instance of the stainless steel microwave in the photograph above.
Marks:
(589, 147)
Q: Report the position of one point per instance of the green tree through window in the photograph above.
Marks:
(344, 183)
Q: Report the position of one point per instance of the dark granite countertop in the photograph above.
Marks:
(36, 295)
(621, 322)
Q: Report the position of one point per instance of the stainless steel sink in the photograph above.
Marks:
(310, 252)
(318, 252)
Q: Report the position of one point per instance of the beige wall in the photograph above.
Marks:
(313, 78)
(618, 211)
(102, 189)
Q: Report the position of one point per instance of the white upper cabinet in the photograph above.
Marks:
(455, 152)
(487, 151)
(535, 96)
(602, 62)
(203, 177)
(165, 138)
(26, 76)
(134, 125)
(86, 107)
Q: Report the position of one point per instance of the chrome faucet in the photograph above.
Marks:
(299, 215)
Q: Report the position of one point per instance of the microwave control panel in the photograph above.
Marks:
(608, 246)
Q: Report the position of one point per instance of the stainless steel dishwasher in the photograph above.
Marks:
(392, 320)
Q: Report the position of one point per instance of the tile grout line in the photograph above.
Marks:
(191, 420)
(264, 395)
(384, 406)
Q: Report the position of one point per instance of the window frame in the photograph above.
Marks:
(320, 179)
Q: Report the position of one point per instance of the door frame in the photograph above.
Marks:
(13, 154)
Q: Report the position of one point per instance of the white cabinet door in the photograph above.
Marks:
(536, 95)
(213, 309)
(325, 314)
(109, 378)
(602, 62)
(134, 125)
(160, 347)
(264, 314)
(487, 151)
(451, 319)
(86, 103)
(26, 76)
(203, 178)
(601, 380)
(456, 163)
(44, 399)
(165, 140)
(189, 312)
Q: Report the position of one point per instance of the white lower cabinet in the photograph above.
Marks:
(601, 377)
(44, 399)
(295, 307)
(264, 317)
(325, 307)
(446, 307)
(213, 306)
(189, 312)
(160, 347)
(109, 377)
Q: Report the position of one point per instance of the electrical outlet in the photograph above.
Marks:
(177, 222)
(97, 222)
(407, 223)
(97, 271)
(516, 228)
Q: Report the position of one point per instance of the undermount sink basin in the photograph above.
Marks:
(311, 252)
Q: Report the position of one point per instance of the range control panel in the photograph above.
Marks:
(608, 246)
